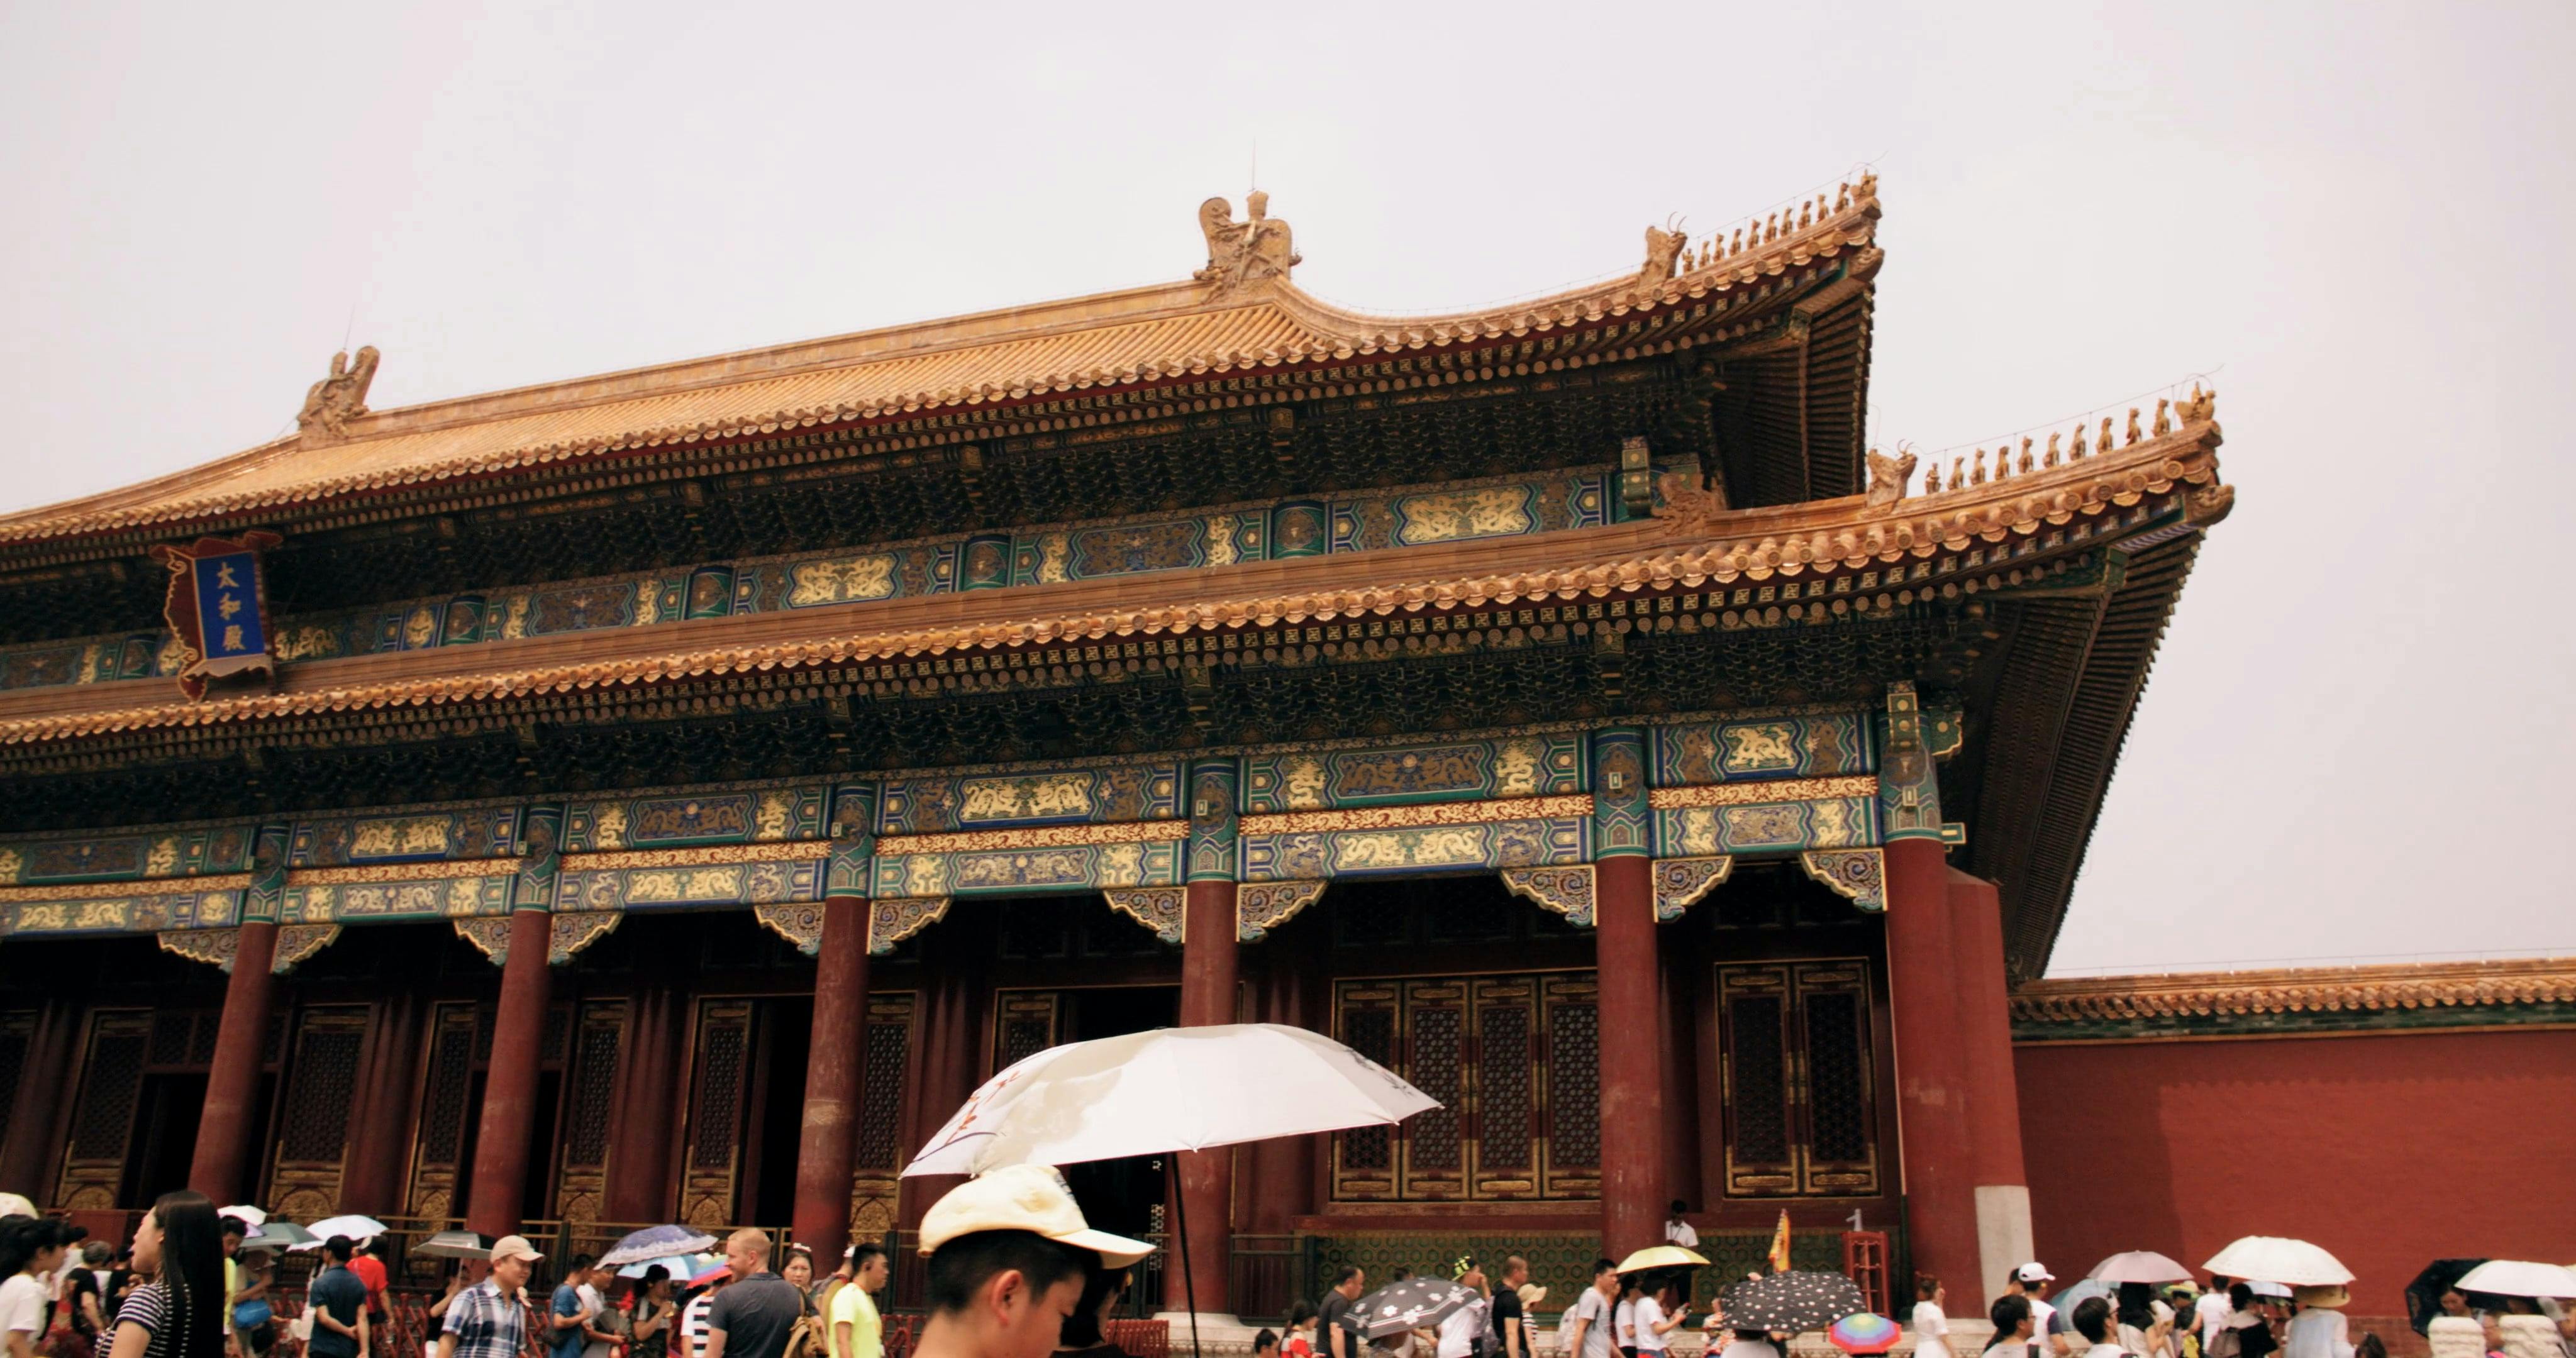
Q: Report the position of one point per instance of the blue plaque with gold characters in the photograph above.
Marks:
(218, 606)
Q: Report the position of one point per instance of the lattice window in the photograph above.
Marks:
(594, 1086)
(1512, 1060)
(451, 1078)
(1370, 1031)
(1573, 1157)
(1435, 1150)
(1026, 1026)
(1794, 1045)
(881, 1083)
(324, 1083)
(719, 1104)
(201, 1046)
(110, 1085)
(1505, 1125)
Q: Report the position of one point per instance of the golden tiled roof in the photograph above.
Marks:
(1694, 544)
(1135, 338)
(2306, 990)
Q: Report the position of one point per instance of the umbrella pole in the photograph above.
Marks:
(1181, 1228)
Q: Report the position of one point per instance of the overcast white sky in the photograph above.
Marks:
(2356, 740)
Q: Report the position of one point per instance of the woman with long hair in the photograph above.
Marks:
(180, 1314)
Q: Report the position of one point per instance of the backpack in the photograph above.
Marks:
(2226, 1345)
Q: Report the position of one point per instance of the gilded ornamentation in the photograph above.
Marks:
(404, 872)
(847, 580)
(331, 403)
(1388, 850)
(1260, 907)
(1243, 253)
(91, 891)
(1034, 837)
(1681, 883)
(1496, 511)
(793, 851)
(1163, 909)
(1857, 875)
(573, 932)
(404, 837)
(892, 921)
(1769, 790)
(215, 947)
(677, 886)
(1436, 813)
(490, 936)
(1566, 890)
(801, 925)
(1042, 797)
(297, 943)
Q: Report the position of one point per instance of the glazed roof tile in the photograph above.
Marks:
(1128, 339)
(2417, 985)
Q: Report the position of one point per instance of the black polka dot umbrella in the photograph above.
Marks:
(1791, 1302)
(1414, 1304)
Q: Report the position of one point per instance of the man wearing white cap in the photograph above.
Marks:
(1009, 1251)
(486, 1320)
(2047, 1327)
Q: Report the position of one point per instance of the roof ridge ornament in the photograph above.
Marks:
(1663, 252)
(331, 403)
(1247, 252)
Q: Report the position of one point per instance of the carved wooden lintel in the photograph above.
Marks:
(1681, 883)
(1566, 890)
(892, 921)
(1857, 875)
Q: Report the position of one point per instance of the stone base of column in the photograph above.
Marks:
(2003, 1230)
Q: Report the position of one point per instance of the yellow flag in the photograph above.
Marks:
(1780, 1244)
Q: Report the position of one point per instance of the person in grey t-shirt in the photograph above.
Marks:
(1587, 1321)
(756, 1316)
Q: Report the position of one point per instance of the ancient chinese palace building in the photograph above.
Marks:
(667, 794)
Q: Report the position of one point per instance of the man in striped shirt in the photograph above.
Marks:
(489, 1319)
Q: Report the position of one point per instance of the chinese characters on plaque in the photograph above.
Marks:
(218, 606)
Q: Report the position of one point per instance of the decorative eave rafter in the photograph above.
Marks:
(1696, 544)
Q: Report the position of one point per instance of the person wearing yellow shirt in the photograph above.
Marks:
(856, 1330)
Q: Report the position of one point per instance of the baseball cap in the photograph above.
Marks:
(1030, 1198)
(2034, 1272)
(513, 1247)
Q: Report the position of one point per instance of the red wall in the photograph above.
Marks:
(2390, 1150)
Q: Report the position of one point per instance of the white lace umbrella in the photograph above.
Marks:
(2281, 1260)
(2519, 1278)
(1170, 1089)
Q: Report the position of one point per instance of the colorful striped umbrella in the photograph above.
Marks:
(1864, 1332)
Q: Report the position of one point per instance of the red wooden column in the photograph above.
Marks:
(1210, 964)
(1931, 1074)
(222, 1164)
(31, 1152)
(2000, 1183)
(509, 1118)
(639, 1159)
(828, 1141)
(1632, 996)
(1279, 1174)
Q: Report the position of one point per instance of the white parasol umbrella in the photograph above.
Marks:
(2281, 1260)
(16, 1205)
(2268, 1289)
(352, 1226)
(245, 1214)
(1170, 1089)
(2519, 1278)
(2140, 1266)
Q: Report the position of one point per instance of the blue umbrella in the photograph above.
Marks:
(656, 1242)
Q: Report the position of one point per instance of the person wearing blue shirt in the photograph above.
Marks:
(338, 1301)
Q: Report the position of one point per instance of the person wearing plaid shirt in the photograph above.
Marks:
(487, 1320)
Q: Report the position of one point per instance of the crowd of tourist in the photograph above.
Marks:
(1011, 1261)
(186, 1287)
